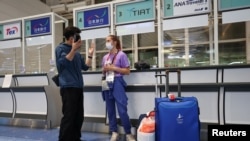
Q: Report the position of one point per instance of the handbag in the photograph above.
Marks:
(55, 78)
(142, 65)
(105, 86)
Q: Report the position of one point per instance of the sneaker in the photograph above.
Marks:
(114, 136)
(130, 137)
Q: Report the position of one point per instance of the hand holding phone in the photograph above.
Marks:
(77, 42)
(76, 37)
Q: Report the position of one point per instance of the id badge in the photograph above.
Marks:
(110, 76)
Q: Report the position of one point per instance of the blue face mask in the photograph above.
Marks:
(109, 46)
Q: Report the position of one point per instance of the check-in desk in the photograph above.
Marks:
(223, 93)
(32, 100)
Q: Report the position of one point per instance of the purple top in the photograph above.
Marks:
(120, 60)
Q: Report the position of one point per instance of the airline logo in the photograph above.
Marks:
(96, 17)
(12, 31)
(41, 26)
(179, 118)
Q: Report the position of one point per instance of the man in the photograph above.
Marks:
(69, 65)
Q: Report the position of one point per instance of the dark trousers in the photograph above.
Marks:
(72, 109)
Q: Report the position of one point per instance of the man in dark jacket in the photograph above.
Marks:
(70, 64)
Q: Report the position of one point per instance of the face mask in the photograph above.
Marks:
(109, 46)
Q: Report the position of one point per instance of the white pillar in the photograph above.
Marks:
(216, 44)
(248, 41)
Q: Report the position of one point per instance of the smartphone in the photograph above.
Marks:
(76, 37)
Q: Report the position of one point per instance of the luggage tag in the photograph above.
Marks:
(172, 97)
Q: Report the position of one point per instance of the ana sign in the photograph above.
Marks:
(176, 8)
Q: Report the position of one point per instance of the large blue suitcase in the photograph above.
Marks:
(177, 120)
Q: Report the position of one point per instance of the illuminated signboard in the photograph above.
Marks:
(38, 26)
(93, 18)
(10, 31)
(233, 4)
(176, 8)
(136, 11)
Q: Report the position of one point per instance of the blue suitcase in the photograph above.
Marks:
(177, 120)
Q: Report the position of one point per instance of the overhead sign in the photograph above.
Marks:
(136, 11)
(233, 4)
(38, 26)
(176, 8)
(10, 31)
(93, 18)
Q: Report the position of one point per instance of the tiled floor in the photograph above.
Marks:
(10, 133)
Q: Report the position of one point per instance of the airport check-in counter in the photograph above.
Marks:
(32, 100)
(223, 93)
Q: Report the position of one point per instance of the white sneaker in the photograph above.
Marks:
(130, 137)
(114, 136)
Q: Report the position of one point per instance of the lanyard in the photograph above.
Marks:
(113, 57)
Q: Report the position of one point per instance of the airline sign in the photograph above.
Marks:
(93, 18)
(38, 26)
(177, 8)
(135, 11)
(10, 31)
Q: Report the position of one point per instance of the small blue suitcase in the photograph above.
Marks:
(177, 120)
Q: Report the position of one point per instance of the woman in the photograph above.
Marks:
(115, 64)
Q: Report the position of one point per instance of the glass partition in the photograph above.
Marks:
(148, 39)
(232, 53)
(11, 60)
(128, 47)
(38, 56)
(199, 55)
(231, 31)
(149, 56)
(100, 52)
(232, 43)
(148, 48)
(186, 47)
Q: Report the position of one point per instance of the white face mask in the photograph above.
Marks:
(109, 46)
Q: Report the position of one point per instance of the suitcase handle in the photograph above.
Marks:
(167, 81)
(156, 84)
(178, 71)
